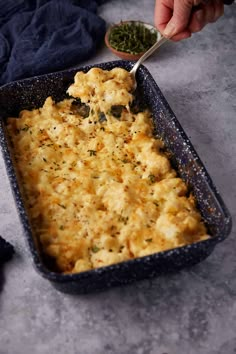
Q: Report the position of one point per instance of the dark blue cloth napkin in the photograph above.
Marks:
(41, 36)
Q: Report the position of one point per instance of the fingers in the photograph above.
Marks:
(197, 21)
(208, 13)
(180, 18)
(219, 9)
(175, 19)
(172, 16)
(182, 35)
(163, 13)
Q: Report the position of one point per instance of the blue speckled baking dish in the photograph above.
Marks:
(31, 93)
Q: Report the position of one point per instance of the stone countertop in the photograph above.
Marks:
(192, 312)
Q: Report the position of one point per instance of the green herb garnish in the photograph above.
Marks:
(125, 161)
(95, 249)
(133, 38)
(152, 178)
(92, 152)
(26, 128)
(62, 206)
(123, 219)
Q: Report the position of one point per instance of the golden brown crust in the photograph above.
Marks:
(100, 191)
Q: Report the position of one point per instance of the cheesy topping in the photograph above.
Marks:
(97, 185)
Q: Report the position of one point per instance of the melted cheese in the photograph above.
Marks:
(99, 190)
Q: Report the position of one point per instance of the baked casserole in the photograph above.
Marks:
(98, 185)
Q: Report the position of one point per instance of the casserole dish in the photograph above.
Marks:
(31, 93)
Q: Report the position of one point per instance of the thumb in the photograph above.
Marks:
(180, 18)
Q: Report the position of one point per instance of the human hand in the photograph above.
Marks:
(178, 19)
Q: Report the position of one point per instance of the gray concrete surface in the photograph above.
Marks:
(192, 312)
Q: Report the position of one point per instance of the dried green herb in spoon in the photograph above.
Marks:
(133, 38)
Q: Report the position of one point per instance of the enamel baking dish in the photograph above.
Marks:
(31, 93)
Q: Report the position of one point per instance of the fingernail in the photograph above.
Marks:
(169, 30)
